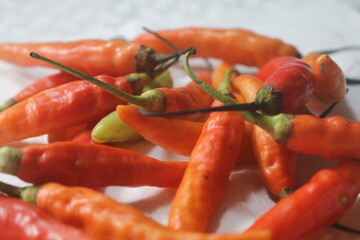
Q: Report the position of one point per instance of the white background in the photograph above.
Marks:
(309, 25)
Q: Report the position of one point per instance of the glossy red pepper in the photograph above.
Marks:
(22, 221)
(319, 203)
(92, 165)
(288, 82)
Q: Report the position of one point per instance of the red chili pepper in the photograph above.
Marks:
(20, 220)
(92, 165)
(288, 85)
(70, 104)
(64, 106)
(41, 84)
(94, 57)
(230, 45)
(108, 219)
(277, 164)
(319, 203)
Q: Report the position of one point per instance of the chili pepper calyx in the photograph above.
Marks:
(8, 103)
(9, 160)
(147, 58)
(28, 194)
(153, 100)
(278, 126)
(269, 99)
(285, 192)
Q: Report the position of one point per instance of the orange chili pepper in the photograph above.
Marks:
(184, 133)
(60, 107)
(330, 82)
(94, 57)
(319, 203)
(230, 45)
(218, 74)
(107, 219)
(92, 165)
(159, 99)
(277, 164)
(209, 167)
(50, 110)
(41, 84)
(20, 220)
(208, 170)
(156, 130)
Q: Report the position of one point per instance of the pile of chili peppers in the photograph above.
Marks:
(121, 91)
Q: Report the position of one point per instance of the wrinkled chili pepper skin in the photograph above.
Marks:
(188, 97)
(231, 45)
(335, 137)
(70, 104)
(293, 78)
(95, 165)
(330, 81)
(107, 219)
(94, 57)
(277, 164)
(20, 220)
(207, 174)
(317, 204)
(44, 83)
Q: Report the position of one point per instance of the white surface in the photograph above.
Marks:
(309, 25)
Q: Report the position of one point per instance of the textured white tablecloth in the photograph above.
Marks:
(308, 24)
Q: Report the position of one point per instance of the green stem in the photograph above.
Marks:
(278, 126)
(27, 194)
(146, 100)
(10, 190)
(225, 85)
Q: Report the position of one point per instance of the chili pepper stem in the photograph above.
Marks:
(278, 126)
(9, 160)
(27, 194)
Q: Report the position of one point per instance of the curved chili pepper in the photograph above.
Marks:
(50, 110)
(60, 107)
(277, 164)
(20, 220)
(92, 165)
(317, 204)
(41, 84)
(209, 167)
(230, 45)
(108, 219)
(288, 85)
(94, 57)
(160, 99)
(330, 82)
